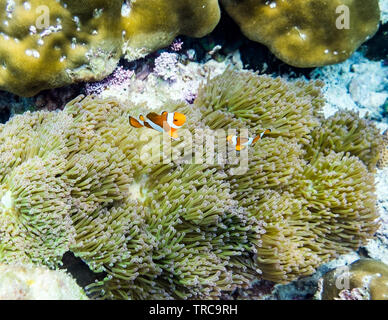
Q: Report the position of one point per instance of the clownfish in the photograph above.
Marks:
(168, 122)
(240, 143)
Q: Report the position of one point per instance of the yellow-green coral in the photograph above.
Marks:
(307, 33)
(163, 229)
(48, 44)
(152, 24)
(365, 279)
(80, 41)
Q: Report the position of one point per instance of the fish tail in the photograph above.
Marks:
(258, 137)
(135, 123)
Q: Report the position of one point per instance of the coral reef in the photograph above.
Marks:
(166, 66)
(307, 33)
(384, 11)
(259, 290)
(369, 80)
(357, 84)
(164, 226)
(119, 80)
(28, 282)
(50, 44)
(147, 86)
(153, 24)
(305, 288)
(365, 279)
(377, 248)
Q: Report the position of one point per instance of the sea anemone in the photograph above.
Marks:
(134, 204)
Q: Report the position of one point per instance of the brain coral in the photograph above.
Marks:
(48, 44)
(307, 33)
(84, 180)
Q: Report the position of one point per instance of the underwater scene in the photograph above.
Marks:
(194, 150)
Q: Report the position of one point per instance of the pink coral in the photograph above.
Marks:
(166, 66)
(177, 45)
(120, 78)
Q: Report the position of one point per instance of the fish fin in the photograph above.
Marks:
(157, 119)
(134, 123)
(153, 116)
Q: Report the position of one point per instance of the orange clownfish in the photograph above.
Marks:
(168, 122)
(241, 143)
